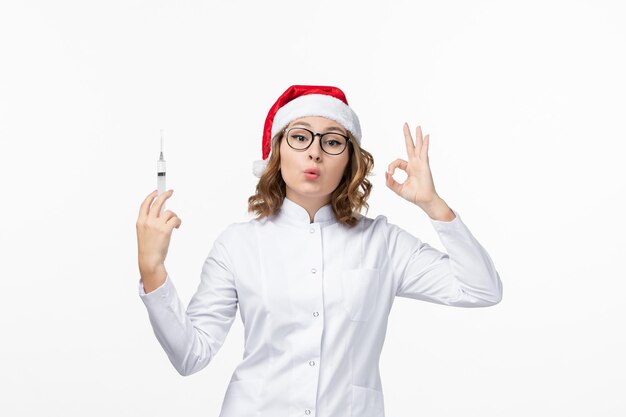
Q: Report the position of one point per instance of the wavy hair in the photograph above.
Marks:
(347, 199)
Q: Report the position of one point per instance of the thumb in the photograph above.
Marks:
(174, 222)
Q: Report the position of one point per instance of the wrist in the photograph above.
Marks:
(153, 280)
(439, 210)
(150, 272)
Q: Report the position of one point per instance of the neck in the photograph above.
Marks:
(310, 204)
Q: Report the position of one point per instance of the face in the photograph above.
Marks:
(293, 163)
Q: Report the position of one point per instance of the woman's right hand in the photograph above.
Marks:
(154, 231)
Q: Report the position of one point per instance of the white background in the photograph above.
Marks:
(524, 102)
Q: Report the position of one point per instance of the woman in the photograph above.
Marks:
(314, 279)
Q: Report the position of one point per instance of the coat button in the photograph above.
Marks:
(312, 363)
(311, 230)
(307, 412)
(315, 314)
(313, 270)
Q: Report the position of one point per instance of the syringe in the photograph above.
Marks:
(161, 173)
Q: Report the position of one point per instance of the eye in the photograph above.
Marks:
(334, 141)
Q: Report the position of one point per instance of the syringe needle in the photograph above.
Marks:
(162, 137)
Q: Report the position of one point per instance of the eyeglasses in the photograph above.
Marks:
(332, 143)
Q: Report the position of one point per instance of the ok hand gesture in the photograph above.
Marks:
(418, 188)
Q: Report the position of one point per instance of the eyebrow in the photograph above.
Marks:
(336, 129)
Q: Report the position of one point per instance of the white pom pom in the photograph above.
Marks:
(259, 167)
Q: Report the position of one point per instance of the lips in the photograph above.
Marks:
(312, 171)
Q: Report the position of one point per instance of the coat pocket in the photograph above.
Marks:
(360, 292)
(367, 402)
(241, 398)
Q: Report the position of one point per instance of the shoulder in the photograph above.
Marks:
(380, 226)
(376, 227)
(234, 229)
(377, 223)
(235, 232)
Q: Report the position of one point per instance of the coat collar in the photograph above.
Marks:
(293, 213)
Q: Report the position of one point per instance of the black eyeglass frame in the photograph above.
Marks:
(321, 135)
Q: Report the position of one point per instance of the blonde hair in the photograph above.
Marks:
(346, 200)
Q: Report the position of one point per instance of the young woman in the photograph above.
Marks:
(314, 279)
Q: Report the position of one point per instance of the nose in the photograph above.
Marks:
(314, 150)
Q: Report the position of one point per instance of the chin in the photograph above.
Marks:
(308, 191)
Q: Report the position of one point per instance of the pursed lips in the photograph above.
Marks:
(312, 171)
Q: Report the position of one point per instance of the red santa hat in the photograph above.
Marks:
(306, 100)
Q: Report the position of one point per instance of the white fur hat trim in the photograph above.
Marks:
(318, 105)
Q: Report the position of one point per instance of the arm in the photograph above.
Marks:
(191, 339)
(463, 277)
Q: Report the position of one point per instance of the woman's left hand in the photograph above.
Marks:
(418, 188)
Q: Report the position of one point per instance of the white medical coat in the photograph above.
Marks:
(314, 300)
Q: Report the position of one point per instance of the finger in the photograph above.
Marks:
(167, 215)
(424, 152)
(419, 139)
(391, 183)
(156, 208)
(174, 222)
(145, 206)
(401, 163)
(408, 140)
